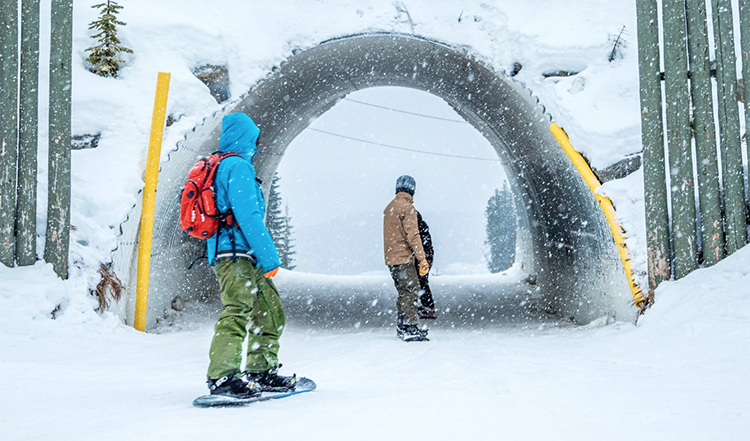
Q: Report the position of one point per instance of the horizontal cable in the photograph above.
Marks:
(401, 148)
(460, 121)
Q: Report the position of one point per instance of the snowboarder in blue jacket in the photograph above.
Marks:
(244, 260)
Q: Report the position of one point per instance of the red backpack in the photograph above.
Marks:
(199, 216)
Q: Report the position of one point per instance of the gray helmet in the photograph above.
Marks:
(406, 184)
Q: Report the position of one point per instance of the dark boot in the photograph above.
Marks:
(411, 333)
(233, 386)
(271, 381)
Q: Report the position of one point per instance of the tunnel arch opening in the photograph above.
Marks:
(339, 173)
(569, 247)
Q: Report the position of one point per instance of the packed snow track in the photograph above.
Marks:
(567, 248)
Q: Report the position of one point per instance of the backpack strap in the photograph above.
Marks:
(201, 257)
(226, 219)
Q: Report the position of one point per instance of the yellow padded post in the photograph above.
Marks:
(149, 200)
(609, 210)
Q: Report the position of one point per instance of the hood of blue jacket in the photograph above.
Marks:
(239, 134)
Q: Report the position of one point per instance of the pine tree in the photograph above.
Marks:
(501, 230)
(274, 221)
(287, 253)
(279, 226)
(105, 57)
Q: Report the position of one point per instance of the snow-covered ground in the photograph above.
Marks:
(680, 374)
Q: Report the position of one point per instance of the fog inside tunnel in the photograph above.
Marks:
(336, 186)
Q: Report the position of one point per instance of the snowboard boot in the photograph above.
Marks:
(271, 381)
(427, 313)
(231, 385)
(411, 333)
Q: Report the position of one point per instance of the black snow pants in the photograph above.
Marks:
(425, 293)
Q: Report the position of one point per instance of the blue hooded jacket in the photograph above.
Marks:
(235, 188)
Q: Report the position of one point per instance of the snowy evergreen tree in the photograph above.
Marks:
(274, 221)
(286, 248)
(279, 226)
(105, 57)
(501, 230)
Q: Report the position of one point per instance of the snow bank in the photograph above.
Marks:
(710, 302)
(31, 296)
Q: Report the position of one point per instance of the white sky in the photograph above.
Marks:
(337, 211)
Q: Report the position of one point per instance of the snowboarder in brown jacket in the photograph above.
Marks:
(402, 245)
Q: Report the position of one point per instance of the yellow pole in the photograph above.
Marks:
(609, 210)
(149, 200)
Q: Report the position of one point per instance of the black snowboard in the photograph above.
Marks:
(414, 338)
(303, 385)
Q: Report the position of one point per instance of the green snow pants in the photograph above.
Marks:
(249, 301)
(406, 279)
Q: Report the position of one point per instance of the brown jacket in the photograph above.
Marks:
(401, 232)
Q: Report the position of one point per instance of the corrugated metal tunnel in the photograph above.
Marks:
(568, 249)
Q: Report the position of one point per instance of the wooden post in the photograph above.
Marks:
(745, 42)
(58, 206)
(679, 146)
(712, 228)
(729, 125)
(8, 128)
(27, 134)
(657, 216)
